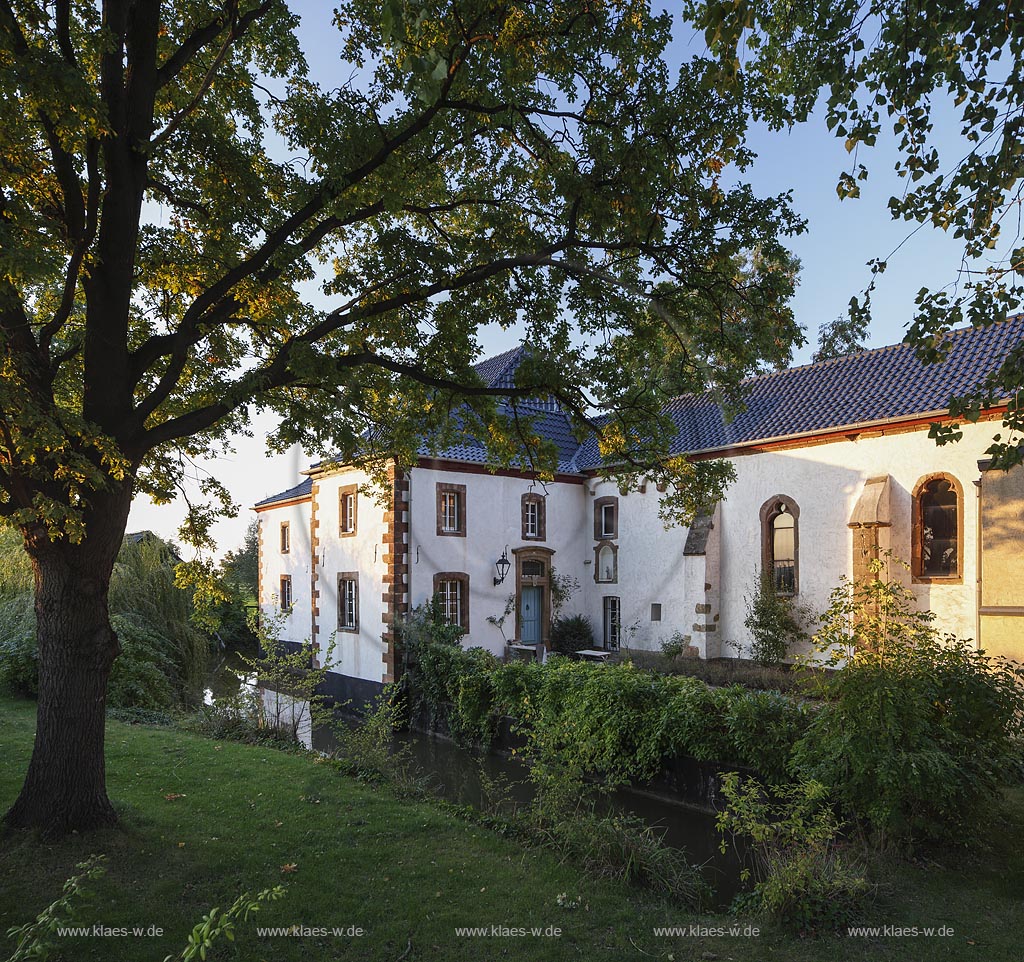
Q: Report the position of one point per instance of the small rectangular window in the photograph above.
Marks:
(531, 525)
(286, 538)
(533, 511)
(612, 629)
(286, 592)
(655, 612)
(606, 518)
(347, 509)
(451, 509)
(348, 601)
(451, 602)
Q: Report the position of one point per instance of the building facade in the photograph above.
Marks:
(833, 466)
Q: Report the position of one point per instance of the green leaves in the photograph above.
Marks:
(885, 59)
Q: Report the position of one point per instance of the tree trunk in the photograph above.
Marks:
(65, 788)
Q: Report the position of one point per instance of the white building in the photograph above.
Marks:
(833, 463)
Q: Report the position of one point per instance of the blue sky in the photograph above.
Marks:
(841, 237)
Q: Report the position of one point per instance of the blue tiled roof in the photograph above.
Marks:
(551, 425)
(885, 384)
(301, 490)
(500, 370)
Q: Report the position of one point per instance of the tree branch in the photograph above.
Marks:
(206, 34)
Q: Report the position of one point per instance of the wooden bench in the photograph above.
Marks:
(594, 654)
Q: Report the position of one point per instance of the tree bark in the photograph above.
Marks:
(65, 788)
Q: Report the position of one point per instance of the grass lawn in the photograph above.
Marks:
(407, 873)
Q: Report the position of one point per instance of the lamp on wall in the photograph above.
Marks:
(502, 564)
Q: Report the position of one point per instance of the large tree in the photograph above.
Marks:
(176, 188)
(943, 82)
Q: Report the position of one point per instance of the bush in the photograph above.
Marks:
(921, 730)
(774, 622)
(790, 834)
(571, 634)
(674, 646)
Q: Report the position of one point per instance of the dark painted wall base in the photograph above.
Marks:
(352, 694)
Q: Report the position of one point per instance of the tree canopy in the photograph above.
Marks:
(890, 65)
(193, 228)
(176, 184)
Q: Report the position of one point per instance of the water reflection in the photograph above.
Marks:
(469, 776)
(497, 782)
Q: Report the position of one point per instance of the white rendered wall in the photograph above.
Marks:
(826, 481)
(650, 568)
(295, 624)
(358, 654)
(493, 520)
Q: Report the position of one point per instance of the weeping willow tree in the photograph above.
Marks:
(165, 657)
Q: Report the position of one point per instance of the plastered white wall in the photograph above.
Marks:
(493, 520)
(826, 481)
(295, 624)
(357, 654)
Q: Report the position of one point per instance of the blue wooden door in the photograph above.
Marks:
(530, 606)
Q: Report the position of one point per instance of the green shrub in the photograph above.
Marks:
(791, 836)
(921, 730)
(141, 676)
(622, 723)
(775, 623)
(674, 646)
(571, 634)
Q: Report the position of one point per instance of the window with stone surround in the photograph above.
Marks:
(286, 537)
(348, 601)
(606, 518)
(451, 588)
(534, 517)
(348, 509)
(285, 596)
(937, 530)
(780, 544)
(451, 509)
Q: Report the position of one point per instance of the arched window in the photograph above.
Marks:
(937, 549)
(780, 543)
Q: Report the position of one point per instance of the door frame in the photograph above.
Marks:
(534, 553)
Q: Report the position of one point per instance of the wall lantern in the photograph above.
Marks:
(502, 564)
